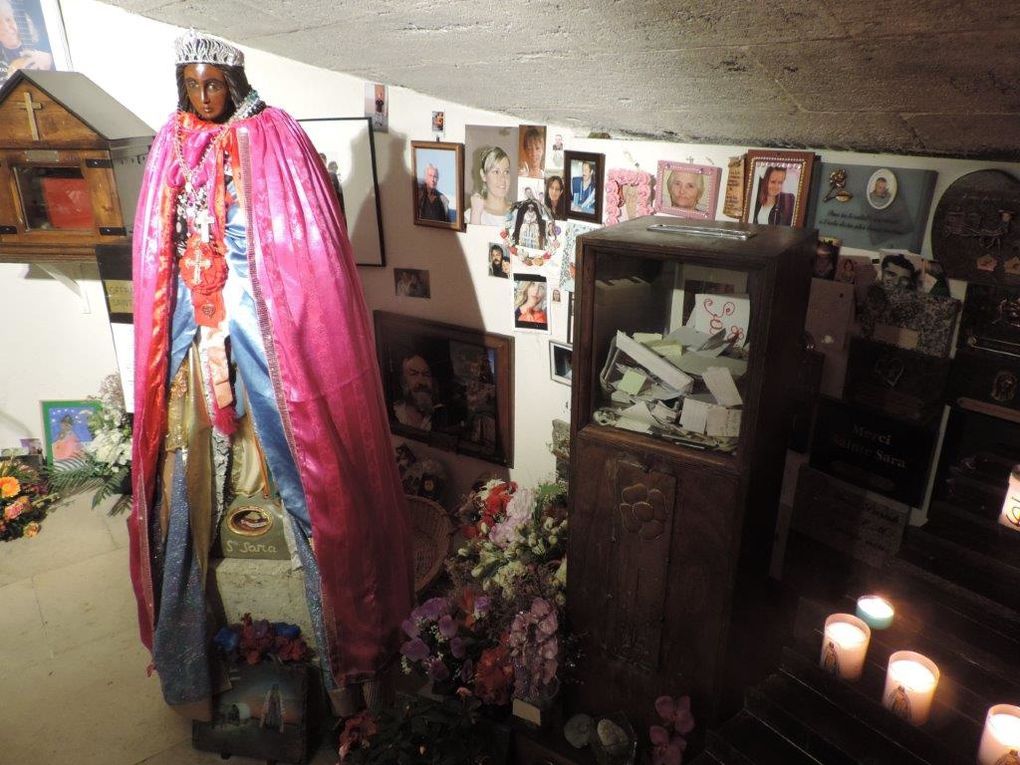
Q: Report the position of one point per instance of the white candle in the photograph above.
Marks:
(877, 612)
(844, 645)
(1000, 743)
(1010, 515)
(910, 683)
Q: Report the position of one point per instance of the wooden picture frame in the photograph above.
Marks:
(66, 428)
(444, 209)
(628, 195)
(449, 386)
(584, 201)
(349, 142)
(791, 206)
(700, 204)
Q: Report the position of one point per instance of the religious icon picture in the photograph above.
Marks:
(66, 428)
(689, 191)
(777, 188)
(438, 168)
(583, 179)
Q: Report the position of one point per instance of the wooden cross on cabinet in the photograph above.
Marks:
(31, 107)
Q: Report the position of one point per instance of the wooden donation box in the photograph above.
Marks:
(687, 351)
(71, 164)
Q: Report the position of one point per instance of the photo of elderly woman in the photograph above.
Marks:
(490, 173)
(530, 308)
(689, 191)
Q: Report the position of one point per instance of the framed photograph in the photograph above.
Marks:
(411, 282)
(583, 177)
(561, 363)
(689, 191)
(66, 428)
(346, 146)
(438, 168)
(32, 33)
(778, 183)
(628, 195)
(531, 304)
(449, 386)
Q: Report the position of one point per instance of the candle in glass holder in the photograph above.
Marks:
(1000, 743)
(910, 683)
(875, 611)
(844, 645)
(1010, 515)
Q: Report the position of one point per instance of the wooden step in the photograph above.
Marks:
(745, 740)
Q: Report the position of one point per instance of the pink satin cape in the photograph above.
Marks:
(319, 344)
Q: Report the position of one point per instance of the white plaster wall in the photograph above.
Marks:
(63, 353)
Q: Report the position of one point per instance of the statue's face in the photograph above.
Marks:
(207, 90)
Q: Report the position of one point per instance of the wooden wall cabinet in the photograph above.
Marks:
(71, 165)
(670, 542)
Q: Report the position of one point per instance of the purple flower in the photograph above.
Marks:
(547, 626)
(482, 605)
(683, 720)
(458, 648)
(548, 649)
(540, 608)
(415, 650)
(447, 626)
(658, 735)
(410, 627)
(438, 670)
(432, 609)
(467, 671)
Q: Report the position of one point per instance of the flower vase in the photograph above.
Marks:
(538, 714)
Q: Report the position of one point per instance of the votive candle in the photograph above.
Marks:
(844, 645)
(1000, 742)
(910, 683)
(875, 611)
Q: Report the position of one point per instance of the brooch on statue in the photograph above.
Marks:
(837, 187)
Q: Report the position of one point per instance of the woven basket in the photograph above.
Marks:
(430, 535)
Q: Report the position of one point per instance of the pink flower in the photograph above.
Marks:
(447, 626)
(16, 508)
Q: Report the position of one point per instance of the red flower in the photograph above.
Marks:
(493, 675)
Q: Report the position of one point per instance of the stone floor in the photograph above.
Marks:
(73, 686)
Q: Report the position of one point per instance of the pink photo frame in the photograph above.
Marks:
(696, 193)
(628, 195)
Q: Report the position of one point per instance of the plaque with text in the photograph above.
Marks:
(873, 451)
(899, 382)
(872, 206)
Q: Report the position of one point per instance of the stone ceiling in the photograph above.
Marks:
(903, 76)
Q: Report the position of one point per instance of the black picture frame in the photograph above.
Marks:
(577, 208)
(351, 141)
(468, 374)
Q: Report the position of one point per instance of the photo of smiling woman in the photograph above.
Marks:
(530, 307)
(490, 174)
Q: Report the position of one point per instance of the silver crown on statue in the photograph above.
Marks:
(196, 48)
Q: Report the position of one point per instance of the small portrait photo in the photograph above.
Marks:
(438, 123)
(411, 282)
(377, 106)
(898, 272)
(530, 307)
(846, 270)
(881, 188)
(67, 430)
(826, 256)
(490, 175)
(531, 150)
(32, 446)
(689, 191)
(561, 363)
(529, 225)
(531, 189)
(777, 187)
(584, 184)
(555, 198)
(557, 151)
(628, 195)
(438, 168)
(499, 260)
(556, 297)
